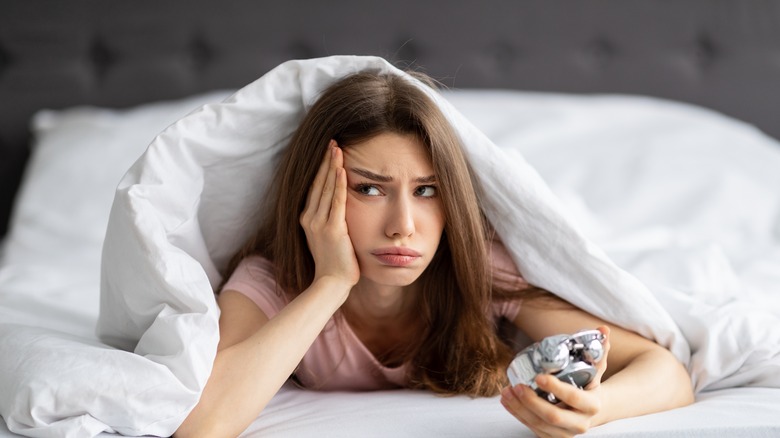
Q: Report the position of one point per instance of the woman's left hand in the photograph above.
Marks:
(575, 414)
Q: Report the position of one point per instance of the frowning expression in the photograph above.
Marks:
(394, 214)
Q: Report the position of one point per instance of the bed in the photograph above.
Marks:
(652, 123)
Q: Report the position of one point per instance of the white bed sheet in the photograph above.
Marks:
(682, 206)
(744, 412)
(732, 412)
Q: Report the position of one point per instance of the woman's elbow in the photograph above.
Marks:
(679, 380)
(198, 426)
(187, 430)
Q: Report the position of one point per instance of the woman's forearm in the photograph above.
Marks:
(248, 374)
(653, 381)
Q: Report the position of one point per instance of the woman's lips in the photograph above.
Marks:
(396, 256)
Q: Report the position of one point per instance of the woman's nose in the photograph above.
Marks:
(400, 220)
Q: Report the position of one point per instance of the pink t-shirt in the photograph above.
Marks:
(338, 360)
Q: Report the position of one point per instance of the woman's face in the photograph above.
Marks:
(394, 214)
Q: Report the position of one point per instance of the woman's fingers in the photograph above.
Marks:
(571, 396)
(601, 366)
(338, 210)
(511, 398)
(576, 410)
(315, 191)
(329, 187)
(542, 417)
(339, 203)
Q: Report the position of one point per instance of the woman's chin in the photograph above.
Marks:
(390, 276)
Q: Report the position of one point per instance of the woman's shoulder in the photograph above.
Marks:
(505, 272)
(253, 269)
(507, 279)
(255, 263)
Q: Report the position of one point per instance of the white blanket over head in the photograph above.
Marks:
(189, 202)
(193, 197)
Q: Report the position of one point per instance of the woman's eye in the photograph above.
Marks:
(425, 191)
(368, 190)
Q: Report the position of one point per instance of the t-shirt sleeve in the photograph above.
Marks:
(254, 278)
(505, 276)
(506, 309)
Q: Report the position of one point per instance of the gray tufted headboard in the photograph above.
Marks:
(724, 54)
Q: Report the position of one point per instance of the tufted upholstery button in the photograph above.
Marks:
(408, 50)
(100, 57)
(503, 55)
(602, 51)
(5, 60)
(705, 51)
(200, 52)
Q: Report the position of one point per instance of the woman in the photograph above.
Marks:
(374, 268)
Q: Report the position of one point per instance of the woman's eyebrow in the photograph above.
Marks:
(371, 175)
(426, 179)
(384, 178)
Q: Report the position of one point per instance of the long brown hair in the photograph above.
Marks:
(459, 351)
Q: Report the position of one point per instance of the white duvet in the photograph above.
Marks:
(682, 198)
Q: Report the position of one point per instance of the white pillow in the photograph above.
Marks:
(79, 155)
(50, 268)
(638, 162)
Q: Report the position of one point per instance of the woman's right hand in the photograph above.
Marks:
(324, 221)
